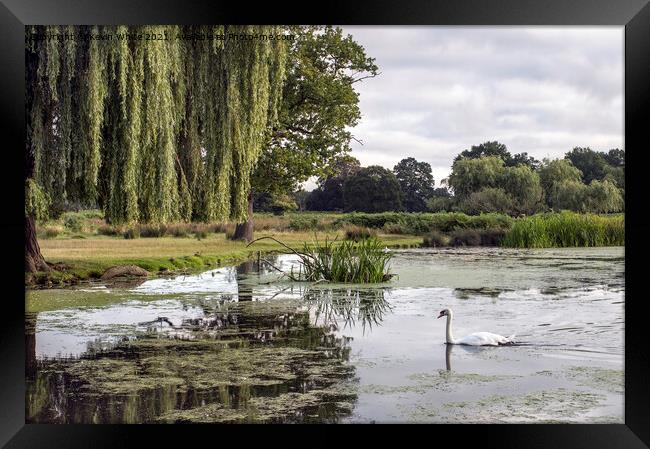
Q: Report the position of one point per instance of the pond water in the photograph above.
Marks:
(243, 344)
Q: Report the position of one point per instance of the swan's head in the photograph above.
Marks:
(445, 312)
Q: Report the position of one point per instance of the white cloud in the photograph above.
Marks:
(542, 90)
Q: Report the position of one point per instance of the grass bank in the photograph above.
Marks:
(83, 246)
(89, 257)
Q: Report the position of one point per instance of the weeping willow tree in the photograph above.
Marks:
(151, 123)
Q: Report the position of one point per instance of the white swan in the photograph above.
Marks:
(475, 339)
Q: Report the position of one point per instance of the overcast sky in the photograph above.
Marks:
(542, 90)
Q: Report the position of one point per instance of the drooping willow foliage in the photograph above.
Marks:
(152, 130)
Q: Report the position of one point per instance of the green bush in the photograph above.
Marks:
(423, 223)
(466, 237)
(357, 233)
(371, 220)
(73, 221)
(132, 233)
(51, 232)
(435, 239)
(309, 223)
(91, 214)
(394, 228)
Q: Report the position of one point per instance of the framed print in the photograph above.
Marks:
(420, 213)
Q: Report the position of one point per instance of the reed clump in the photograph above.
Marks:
(346, 261)
(566, 229)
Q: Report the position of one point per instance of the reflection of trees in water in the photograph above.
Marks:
(310, 359)
(366, 307)
(240, 352)
(30, 345)
(244, 290)
(289, 324)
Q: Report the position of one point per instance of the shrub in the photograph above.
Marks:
(435, 239)
(492, 237)
(90, 214)
(132, 233)
(357, 233)
(50, 232)
(466, 237)
(152, 230)
(200, 235)
(371, 220)
(303, 223)
(73, 221)
(394, 228)
(423, 223)
(107, 229)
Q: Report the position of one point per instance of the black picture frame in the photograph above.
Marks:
(633, 14)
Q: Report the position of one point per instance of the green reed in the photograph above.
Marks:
(347, 261)
(566, 229)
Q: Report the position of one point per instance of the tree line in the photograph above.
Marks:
(484, 178)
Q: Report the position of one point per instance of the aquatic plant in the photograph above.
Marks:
(347, 261)
(566, 229)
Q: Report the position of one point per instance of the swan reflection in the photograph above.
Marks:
(448, 350)
(474, 350)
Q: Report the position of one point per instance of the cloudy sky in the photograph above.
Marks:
(543, 90)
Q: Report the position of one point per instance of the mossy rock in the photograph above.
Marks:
(124, 270)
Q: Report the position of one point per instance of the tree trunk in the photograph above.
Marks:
(244, 231)
(244, 291)
(34, 260)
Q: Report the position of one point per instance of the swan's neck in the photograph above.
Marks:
(450, 335)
